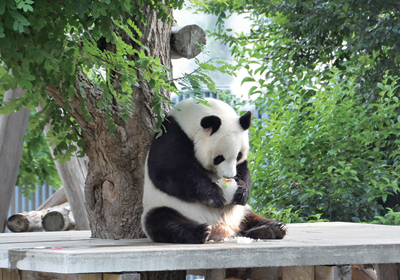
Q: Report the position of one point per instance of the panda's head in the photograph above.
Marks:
(219, 135)
(223, 143)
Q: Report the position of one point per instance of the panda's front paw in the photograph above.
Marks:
(241, 196)
(215, 199)
(216, 202)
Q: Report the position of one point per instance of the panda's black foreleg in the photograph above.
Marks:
(257, 227)
(243, 180)
(164, 224)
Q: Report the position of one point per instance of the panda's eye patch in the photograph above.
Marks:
(218, 159)
(239, 156)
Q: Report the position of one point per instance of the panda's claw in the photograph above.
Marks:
(203, 234)
(283, 228)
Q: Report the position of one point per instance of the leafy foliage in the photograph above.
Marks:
(47, 43)
(316, 35)
(325, 81)
(37, 166)
(323, 153)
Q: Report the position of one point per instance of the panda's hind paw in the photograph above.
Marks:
(204, 233)
(271, 230)
(282, 227)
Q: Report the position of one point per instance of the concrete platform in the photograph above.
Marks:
(310, 244)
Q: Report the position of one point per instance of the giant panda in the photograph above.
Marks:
(181, 201)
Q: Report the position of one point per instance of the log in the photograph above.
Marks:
(72, 175)
(55, 199)
(184, 41)
(30, 221)
(26, 221)
(59, 218)
(12, 130)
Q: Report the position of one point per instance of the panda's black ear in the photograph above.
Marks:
(212, 122)
(245, 120)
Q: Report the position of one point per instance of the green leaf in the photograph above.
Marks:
(247, 79)
(252, 89)
(111, 125)
(2, 7)
(331, 152)
(152, 83)
(2, 35)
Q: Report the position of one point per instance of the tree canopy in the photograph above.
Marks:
(46, 44)
(317, 35)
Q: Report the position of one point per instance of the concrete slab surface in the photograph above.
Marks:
(305, 244)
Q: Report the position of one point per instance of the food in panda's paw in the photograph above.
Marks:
(229, 187)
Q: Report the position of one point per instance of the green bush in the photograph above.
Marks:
(323, 153)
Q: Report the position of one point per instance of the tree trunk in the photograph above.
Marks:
(114, 184)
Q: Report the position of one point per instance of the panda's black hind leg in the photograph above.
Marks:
(257, 227)
(164, 224)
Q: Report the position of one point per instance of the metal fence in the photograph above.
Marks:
(20, 203)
